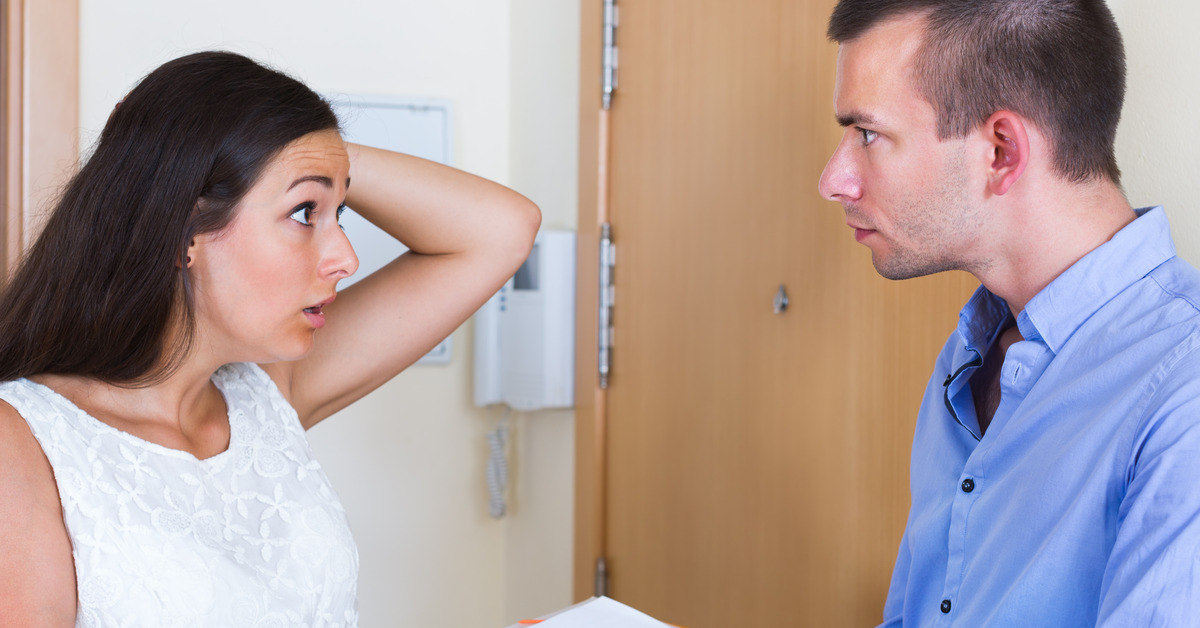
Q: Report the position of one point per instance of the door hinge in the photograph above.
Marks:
(601, 584)
(611, 17)
(608, 253)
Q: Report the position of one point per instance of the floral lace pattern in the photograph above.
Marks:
(252, 537)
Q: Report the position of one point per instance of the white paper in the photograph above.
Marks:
(598, 612)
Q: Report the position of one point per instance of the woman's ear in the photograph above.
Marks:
(1006, 132)
(185, 258)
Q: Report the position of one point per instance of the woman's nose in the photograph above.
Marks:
(340, 260)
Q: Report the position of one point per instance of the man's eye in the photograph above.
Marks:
(340, 210)
(867, 136)
(302, 214)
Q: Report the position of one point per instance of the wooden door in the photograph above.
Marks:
(752, 465)
(39, 115)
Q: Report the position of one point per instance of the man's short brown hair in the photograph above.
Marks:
(1058, 63)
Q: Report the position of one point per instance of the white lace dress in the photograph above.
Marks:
(253, 536)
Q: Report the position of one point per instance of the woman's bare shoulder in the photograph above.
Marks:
(23, 456)
(37, 572)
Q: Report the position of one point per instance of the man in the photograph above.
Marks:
(1057, 450)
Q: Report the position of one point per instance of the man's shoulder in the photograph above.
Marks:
(1179, 280)
(1154, 330)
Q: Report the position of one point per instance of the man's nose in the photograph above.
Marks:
(840, 180)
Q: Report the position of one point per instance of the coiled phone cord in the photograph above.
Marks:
(497, 467)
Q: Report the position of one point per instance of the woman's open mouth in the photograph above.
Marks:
(315, 316)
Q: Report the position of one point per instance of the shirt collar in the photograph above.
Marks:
(1061, 307)
(979, 320)
(1054, 314)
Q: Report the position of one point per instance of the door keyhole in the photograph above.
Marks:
(781, 300)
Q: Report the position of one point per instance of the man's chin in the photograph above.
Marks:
(897, 269)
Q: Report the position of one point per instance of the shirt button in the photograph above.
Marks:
(945, 606)
(968, 485)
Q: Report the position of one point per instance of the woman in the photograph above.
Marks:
(173, 331)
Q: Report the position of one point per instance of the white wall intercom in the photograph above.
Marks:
(525, 334)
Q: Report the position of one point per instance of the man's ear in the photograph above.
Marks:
(1006, 132)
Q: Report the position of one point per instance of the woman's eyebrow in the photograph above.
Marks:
(323, 180)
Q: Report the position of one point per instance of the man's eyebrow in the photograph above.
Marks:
(855, 118)
(323, 180)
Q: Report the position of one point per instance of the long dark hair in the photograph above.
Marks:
(105, 285)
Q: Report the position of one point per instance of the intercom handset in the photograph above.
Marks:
(525, 334)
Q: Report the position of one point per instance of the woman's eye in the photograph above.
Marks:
(302, 214)
(340, 210)
(867, 136)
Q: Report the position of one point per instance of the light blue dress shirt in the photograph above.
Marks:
(1080, 505)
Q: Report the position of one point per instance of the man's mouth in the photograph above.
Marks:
(860, 232)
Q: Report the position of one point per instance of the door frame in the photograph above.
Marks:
(590, 425)
(39, 114)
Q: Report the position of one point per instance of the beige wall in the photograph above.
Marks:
(1158, 145)
(544, 147)
(408, 461)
